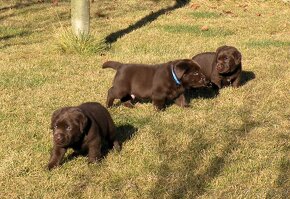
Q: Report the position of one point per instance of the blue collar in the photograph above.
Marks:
(174, 76)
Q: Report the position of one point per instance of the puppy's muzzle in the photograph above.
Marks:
(204, 81)
(219, 67)
(59, 138)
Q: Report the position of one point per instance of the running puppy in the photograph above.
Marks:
(82, 128)
(223, 67)
(158, 82)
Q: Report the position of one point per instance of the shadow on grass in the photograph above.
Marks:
(191, 177)
(19, 5)
(20, 44)
(125, 132)
(217, 164)
(205, 93)
(247, 76)
(212, 92)
(24, 11)
(281, 184)
(113, 37)
(16, 34)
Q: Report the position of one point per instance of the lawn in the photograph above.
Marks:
(234, 145)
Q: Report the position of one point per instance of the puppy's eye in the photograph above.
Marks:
(196, 73)
(226, 59)
(55, 127)
(68, 128)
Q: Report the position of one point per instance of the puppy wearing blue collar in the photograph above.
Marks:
(159, 83)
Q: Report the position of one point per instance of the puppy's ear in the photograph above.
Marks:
(221, 48)
(54, 117)
(237, 56)
(181, 67)
(82, 119)
(56, 114)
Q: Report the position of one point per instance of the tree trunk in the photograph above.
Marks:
(80, 17)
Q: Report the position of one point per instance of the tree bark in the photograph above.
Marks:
(80, 17)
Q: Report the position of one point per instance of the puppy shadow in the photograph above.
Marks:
(247, 76)
(212, 92)
(205, 93)
(124, 133)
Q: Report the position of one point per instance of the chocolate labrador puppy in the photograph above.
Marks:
(82, 128)
(160, 82)
(223, 67)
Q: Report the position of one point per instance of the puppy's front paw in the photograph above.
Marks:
(117, 146)
(51, 165)
(128, 104)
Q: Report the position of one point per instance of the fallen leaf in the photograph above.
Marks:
(204, 28)
(228, 12)
(194, 6)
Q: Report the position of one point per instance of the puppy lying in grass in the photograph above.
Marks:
(158, 82)
(223, 67)
(83, 128)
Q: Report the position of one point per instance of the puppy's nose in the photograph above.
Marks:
(202, 80)
(218, 66)
(57, 137)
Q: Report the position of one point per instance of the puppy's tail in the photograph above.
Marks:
(112, 64)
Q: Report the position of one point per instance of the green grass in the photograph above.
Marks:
(8, 32)
(196, 30)
(235, 145)
(268, 43)
(205, 15)
(85, 44)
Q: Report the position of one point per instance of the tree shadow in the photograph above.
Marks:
(24, 11)
(190, 158)
(192, 182)
(19, 5)
(19, 44)
(18, 34)
(281, 184)
(113, 37)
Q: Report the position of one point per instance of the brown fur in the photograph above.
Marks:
(82, 128)
(223, 67)
(154, 82)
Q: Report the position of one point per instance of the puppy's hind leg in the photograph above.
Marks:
(158, 102)
(94, 153)
(110, 97)
(118, 93)
(126, 101)
(181, 101)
